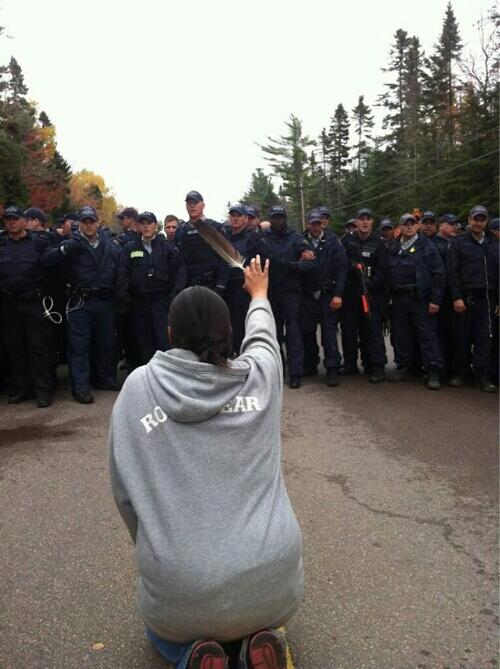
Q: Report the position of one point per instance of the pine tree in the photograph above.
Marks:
(363, 124)
(16, 85)
(339, 154)
(261, 192)
(289, 159)
(394, 99)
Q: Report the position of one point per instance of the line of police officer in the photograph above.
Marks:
(112, 293)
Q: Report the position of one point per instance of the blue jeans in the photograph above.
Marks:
(176, 653)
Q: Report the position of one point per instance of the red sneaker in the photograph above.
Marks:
(267, 650)
(208, 655)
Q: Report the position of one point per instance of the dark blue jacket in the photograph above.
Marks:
(198, 257)
(159, 272)
(330, 271)
(283, 249)
(88, 268)
(472, 266)
(127, 236)
(240, 241)
(23, 266)
(424, 260)
(371, 253)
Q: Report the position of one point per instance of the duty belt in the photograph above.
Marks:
(408, 289)
(27, 296)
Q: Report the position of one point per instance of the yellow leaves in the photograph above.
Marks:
(98, 646)
(86, 187)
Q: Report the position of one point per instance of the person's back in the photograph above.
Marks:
(196, 474)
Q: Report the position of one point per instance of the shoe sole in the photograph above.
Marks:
(207, 655)
(267, 651)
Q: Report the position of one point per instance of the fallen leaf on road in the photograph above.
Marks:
(97, 646)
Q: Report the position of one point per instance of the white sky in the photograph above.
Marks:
(161, 97)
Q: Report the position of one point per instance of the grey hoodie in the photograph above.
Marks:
(196, 475)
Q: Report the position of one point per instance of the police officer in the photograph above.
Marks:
(170, 226)
(472, 263)
(428, 224)
(447, 231)
(23, 288)
(129, 221)
(494, 229)
(326, 218)
(254, 219)
(416, 278)
(150, 274)
(203, 266)
(386, 230)
(237, 299)
(284, 248)
(93, 264)
(361, 316)
(349, 227)
(323, 288)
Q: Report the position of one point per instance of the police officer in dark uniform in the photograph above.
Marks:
(284, 248)
(447, 231)
(150, 275)
(416, 278)
(322, 291)
(326, 218)
(386, 230)
(203, 266)
(23, 287)
(237, 299)
(127, 346)
(472, 263)
(128, 218)
(93, 264)
(253, 214)
(362, 308)
(494, 229)
(428, 224)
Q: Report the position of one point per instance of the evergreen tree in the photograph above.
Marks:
(16, 85)
(339, 153)
(363, 124)
(289, 159)
(394, 98)
(261, 192)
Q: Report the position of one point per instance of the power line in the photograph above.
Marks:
(414, 183)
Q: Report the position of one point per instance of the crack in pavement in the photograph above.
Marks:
(342, 482)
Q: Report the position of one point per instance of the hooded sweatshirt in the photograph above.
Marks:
(195, 462)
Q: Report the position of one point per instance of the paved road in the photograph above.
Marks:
(395, 487)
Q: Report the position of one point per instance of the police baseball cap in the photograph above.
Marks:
(87, 212)
(386, 223)
(314, 216)
(147, 216)
(277, 211)
(13, 212)
(194, 196)
(35, 212)
(364, 212)
(451, 219)
(254, 212)
(479, 210)
(407, 217)
(350, 223)
(128, 212)
(494, 224)
(238, 208)
(324, 211)
(429, 215)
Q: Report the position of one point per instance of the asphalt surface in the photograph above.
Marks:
(396, 490)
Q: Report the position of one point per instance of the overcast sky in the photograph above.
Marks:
(162, 97)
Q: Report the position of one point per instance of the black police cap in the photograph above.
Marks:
(13, 212)
(35, 212)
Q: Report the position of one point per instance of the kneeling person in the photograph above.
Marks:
(195, 468)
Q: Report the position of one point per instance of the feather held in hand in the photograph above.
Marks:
(220, 244)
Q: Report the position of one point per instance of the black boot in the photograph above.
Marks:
(332, 377)
(294, 382)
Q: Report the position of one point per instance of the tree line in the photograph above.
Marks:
(437, 147)
(32, 170)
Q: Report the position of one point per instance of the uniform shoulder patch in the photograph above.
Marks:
(137, 254)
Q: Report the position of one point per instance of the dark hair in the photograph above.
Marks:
(199, 322)
(170, 218)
